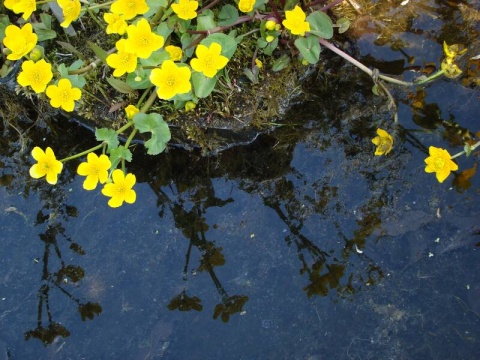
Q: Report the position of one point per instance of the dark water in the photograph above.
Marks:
(301, 246)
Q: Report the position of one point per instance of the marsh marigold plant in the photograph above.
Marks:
(171, 80)
(95, 169)
(295, 21)
(63, 95)
(20, 41)
(120, 189)
(27, 7)
(440, 162)
(209, 59)
(37, 75)
(185, 9)
(383, 141)
(47, 165)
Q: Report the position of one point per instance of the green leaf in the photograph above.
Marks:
(46, 20)
(206, 21)
(281, 63)
(468, 149)
(343, 25)
(109, 136)
(120, 85)
(156, 58)
(228, 15)
(320, 24)
(101, 54)
(44, 34)
(271, 46)
(154, 124)
(70, 48)
(118, 154)
(164, 30)
(203, 85)
(228, 43)
(77, 81)
(144, 82)
(309, 48)
(4, 22)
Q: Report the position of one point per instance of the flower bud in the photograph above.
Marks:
(190, 105)
(36, 53)
(270, 24)
(131, 111)
(269, 38)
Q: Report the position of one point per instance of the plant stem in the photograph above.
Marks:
(473, 147)
(365, 69)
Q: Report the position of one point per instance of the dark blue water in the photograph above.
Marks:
(301, 246)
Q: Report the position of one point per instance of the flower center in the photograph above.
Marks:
(171, 81)
(439, 163)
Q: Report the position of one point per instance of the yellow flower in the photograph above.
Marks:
(20, 41)
(35, 74)
(171, 80)
(120, 189)
(21, 6)
(185, 9)
(131, 111)
(295, 21)
(259, 63)
(122, 61)
(95, 169)
(175, 52)
(453, 51)
(116, 23)
(63, 95)
(47, 165)
(440, 162)
(246, 5)
(141, 40)
(209, 60)
(451, 70)
(129, 8)
(384, 142)
(71, 11)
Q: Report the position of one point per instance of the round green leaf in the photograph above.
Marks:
(309, 48)
(203, 85)
(320, 24)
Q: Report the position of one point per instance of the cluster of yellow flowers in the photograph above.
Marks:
(96, 168)
(20, 42)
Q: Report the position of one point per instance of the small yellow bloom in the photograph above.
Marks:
(122, 61)
(259, 63)
(171, 80)
(269, 38)
(71, 11)
(95, 169)
(129, 8)
(35, 74)
(185, 9)
(63, 95)
(120, 189)
(47, 165)
(440, 162)
(270, 25)
(21, 6)
(175, 52)
(190, 106)
(453, 51)
(295, 21)
(451, 70)
(384, 142)
(116, 23)
(20, 41)
(131, 111)
(246, 5)
(141, 40)
(209, 60)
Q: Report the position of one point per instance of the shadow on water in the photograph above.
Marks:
(302, 245)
